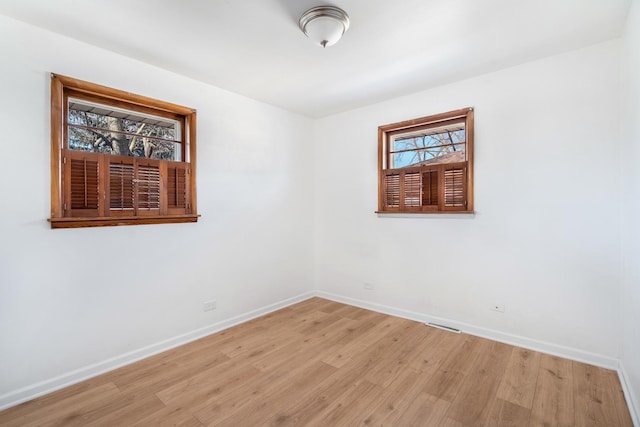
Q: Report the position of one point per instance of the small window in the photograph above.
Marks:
(119, 158)
(426, 164)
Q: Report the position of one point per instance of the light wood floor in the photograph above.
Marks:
(321, 363)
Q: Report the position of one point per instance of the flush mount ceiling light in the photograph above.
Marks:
(324, 24)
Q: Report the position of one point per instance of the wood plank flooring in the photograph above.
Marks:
(321, 363)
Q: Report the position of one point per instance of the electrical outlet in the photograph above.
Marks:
(209, 305)
(369, 286)
(497, 307)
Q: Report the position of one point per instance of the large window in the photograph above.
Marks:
(119, 158)
(426, 164)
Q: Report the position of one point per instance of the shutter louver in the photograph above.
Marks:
(121, 191)
(148, 186)
(454, 188)
(392, 190)
(412, 189)
(84, 184)
(176, 187)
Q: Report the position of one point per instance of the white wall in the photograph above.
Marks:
(73, 298)
(545, 240)
(631, 206)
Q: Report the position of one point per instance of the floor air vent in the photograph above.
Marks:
(443, 327)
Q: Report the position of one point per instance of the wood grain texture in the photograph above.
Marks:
(321, 363)
(64, 183)
(553, 403)
(519, 383)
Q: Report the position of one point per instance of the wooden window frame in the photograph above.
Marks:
(463, 194)
(62, 216)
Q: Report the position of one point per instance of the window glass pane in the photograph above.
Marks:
(433, 146)
(122, 144)
(104, 129)
(427, 157)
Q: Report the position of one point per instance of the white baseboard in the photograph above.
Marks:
(632, 402)
(45, 387)
(531, 344)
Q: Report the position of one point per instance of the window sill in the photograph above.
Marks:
(435, 214)
(112, 221)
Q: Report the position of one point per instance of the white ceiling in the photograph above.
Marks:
(393, 48)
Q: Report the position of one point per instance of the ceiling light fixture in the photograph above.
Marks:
(324, 25)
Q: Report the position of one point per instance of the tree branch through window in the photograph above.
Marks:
(426, 165)
(119, 158)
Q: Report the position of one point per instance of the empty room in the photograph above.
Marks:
(292, 212)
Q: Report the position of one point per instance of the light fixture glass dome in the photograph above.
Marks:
(324, 25)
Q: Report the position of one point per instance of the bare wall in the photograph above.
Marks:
(545, 238)
(73, 298)
(631, 205)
